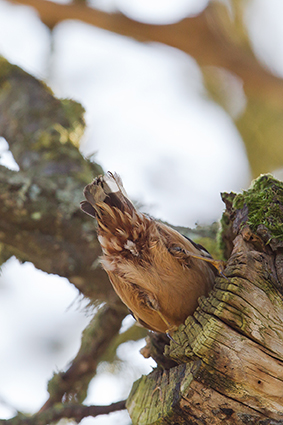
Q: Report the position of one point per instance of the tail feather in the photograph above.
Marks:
(120, 226)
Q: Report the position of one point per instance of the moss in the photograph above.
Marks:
(221, 246)
(264, 200)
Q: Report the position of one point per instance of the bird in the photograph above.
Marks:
(158, 273)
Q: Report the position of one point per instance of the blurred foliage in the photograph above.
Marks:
(261, 127)
(258, 118)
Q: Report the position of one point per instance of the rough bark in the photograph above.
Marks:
(231, 350)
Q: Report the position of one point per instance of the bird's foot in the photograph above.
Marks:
(171, 338)
(170, 328)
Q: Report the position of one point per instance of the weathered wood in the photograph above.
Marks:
(230, 350)
(176, 397)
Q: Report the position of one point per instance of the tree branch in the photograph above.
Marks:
(43, 132)
(216, 40)
(72, 385)
(207, 37)
(40, 219)
(60, 411)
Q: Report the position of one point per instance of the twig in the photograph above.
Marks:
(59, 411)
(72, 385)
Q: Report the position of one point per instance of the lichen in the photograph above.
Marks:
(36, 215)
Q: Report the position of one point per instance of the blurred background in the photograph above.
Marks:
(184, 100)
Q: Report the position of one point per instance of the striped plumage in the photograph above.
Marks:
(158, 273)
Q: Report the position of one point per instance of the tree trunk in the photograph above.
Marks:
(230, 352)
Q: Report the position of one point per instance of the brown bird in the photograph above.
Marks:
(158, 273)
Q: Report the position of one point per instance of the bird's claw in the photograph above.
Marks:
(171, 338)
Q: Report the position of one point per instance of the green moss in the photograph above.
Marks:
(265, 204)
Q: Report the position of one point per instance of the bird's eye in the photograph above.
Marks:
(180, 254)
(176, 250)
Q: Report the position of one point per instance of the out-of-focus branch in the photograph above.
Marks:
(43, 132)
(40, 219)
(42, 224)
(208, 37)
(72, 385)
(68, 411)
(216, 40)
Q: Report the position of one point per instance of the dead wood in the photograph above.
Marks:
(231, 350)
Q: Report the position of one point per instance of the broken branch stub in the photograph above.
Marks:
(231, 350)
